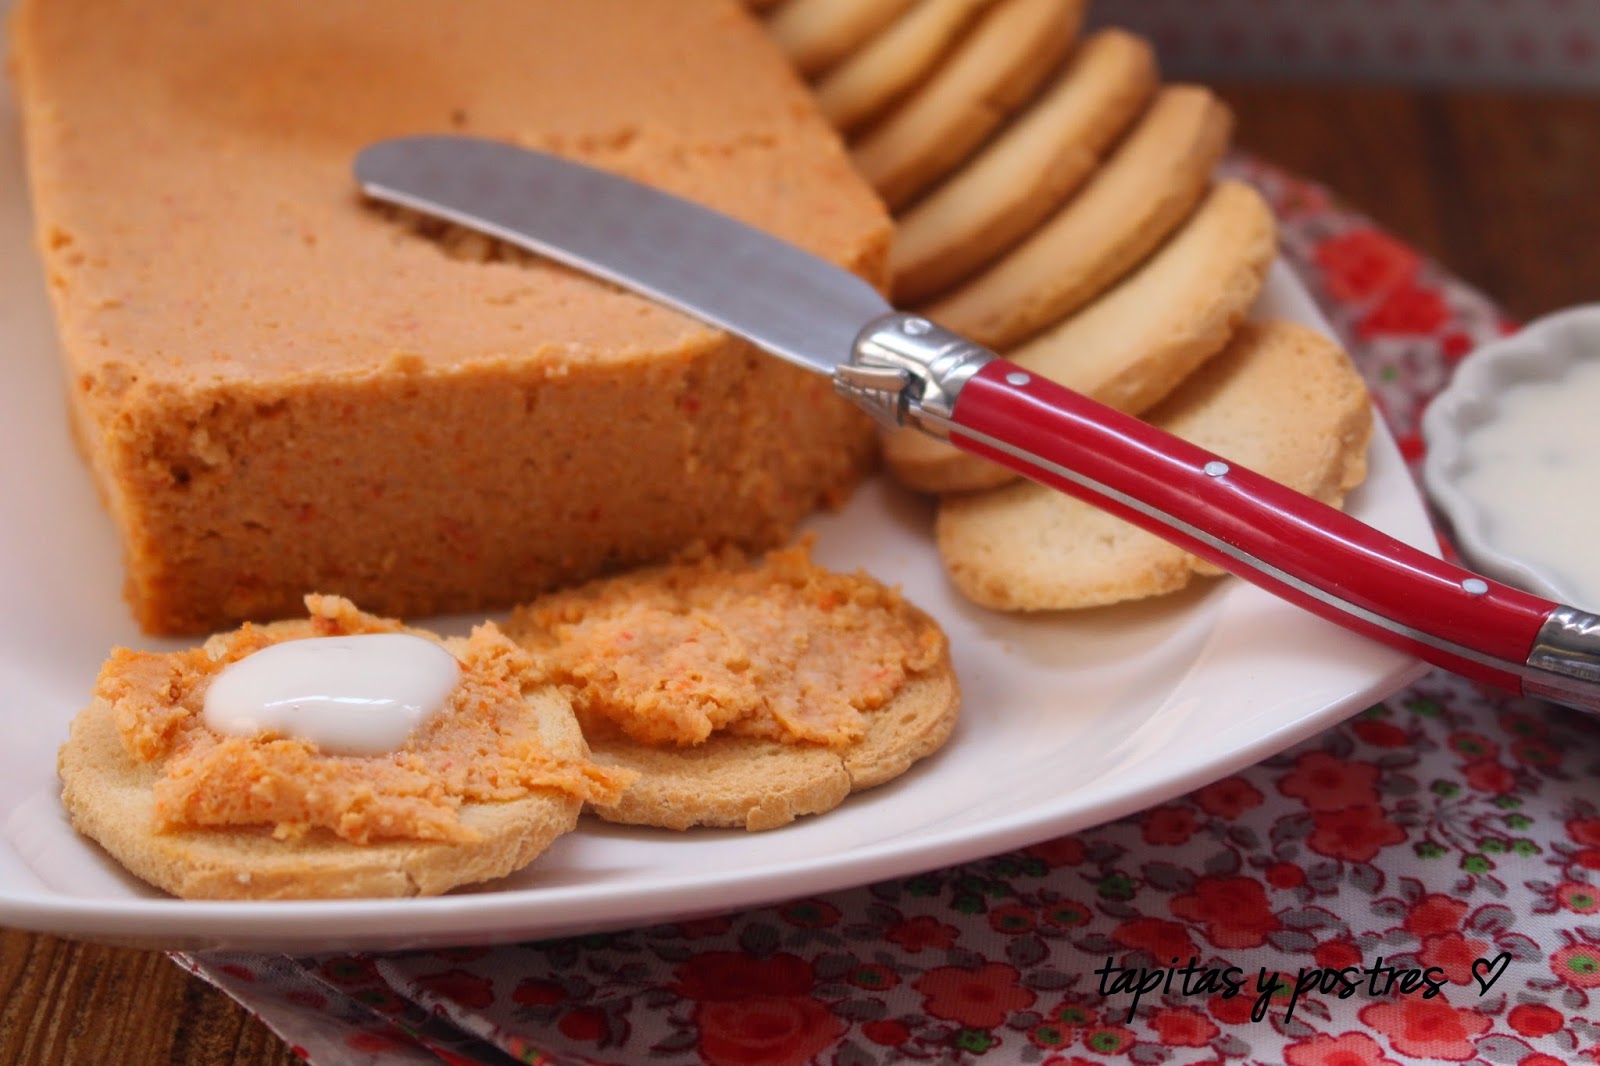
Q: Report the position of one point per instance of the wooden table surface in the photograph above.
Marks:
(1500, 187)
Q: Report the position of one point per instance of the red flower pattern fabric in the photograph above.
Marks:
(1349, 1049)
(1364, 264)
(981, 997)
(1325, 783)
(1446, 837)
(1233, 912)
(1427, 1029)
(1155, 937)
(1354, 834)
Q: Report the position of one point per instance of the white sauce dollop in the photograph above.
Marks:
(1535, 469)
(353, 695)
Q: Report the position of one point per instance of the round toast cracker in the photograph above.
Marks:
(108, 796)
(727, 779)
(1282, 400)
(1144, 190)
(1006, 57)
(816, 34)
(1137, 342)
(1027, 171)
(887, 68)
(753, 783)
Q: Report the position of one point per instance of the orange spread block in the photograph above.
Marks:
(280, 388)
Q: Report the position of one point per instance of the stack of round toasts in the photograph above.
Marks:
(1056, 202)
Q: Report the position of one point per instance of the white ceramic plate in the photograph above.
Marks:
(1069, 720)
(1524, 525)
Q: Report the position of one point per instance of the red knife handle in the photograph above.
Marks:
(1294, 546)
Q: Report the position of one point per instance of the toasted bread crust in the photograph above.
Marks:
(888, 68)
(1282, 400)
(1007, 56)
(816, 34)
(641, 705)
(753, 783)
(1144, 191)
(109, 799)
(143, 733)
(1027, 171)
(1135, 343)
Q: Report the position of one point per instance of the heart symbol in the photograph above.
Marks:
(1493, 967)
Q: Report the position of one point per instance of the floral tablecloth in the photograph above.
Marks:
(1416, 885)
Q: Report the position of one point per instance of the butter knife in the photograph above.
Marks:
(906, 370)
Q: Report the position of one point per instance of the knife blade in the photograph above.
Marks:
(606, 225)
(907, 370)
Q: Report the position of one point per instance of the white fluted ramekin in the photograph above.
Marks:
(1565, 568)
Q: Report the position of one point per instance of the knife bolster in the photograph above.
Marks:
(906, 370)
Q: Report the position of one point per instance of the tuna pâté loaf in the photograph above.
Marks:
(280, 388)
